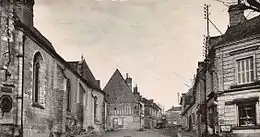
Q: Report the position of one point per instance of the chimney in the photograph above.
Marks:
(136, 93)
(236, 14)
(135, 89)
(128, 81)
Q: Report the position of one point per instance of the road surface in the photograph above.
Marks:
(146, 133)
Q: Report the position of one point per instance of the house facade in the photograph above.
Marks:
(152, 113)
(237, 55)
(123, 108)
(189, 109)
(41, 94)
(193, 104)
(139, 98)
(227, 90)
(173, 116)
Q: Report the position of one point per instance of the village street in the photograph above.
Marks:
(146, 133)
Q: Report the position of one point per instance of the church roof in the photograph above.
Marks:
(117, 90)
(87, 73)
(34, 34)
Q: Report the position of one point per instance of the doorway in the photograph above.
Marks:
(115, 123)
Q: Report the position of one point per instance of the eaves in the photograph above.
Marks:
(218, 46)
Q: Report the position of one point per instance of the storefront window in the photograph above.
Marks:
(247, 115)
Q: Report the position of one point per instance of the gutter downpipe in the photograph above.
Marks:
(22, 90)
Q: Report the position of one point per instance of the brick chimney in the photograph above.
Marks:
(135, 89)
(136, 93)
(128, 81)
(236, 14)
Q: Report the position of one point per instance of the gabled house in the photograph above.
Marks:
(123, 108)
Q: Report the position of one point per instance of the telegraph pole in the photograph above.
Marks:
(206, 16)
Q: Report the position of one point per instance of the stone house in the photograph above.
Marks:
(41, 93)
(192, 104)
(152, 113)
(173, 116)
(123, 108)
(237, 65)
(188, 111)
(139, 98)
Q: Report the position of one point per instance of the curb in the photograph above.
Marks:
(179, 134)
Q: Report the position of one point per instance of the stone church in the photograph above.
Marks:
(41, 94)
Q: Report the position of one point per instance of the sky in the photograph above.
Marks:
(157, 42)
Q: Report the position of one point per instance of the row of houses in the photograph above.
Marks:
(224, 98)
(43, 95)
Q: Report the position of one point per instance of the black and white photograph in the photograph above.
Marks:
(129, 68)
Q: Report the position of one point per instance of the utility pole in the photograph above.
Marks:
(206, 16)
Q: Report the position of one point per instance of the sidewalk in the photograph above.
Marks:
(182, 133)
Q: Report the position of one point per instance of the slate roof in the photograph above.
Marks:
(240, 31)
(87, 73)
(43, 42)
(117, 90)
(34, 32)
(174, 109)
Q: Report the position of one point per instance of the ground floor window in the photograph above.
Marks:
(247, 114)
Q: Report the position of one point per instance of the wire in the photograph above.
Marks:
(215, 27)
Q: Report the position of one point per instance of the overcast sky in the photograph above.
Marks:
(158, 42)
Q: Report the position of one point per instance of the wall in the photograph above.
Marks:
(13, 81)
(40, 121)
(100, 121)
(173, 117)
(125, 111)
(226, 61)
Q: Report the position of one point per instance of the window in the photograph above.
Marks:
(36, 78)
(115, 111)
(136, 112)
(247, 114)
(68, 96)
(245, 70)
(95, 108)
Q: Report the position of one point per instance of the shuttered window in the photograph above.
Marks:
(245, 70)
